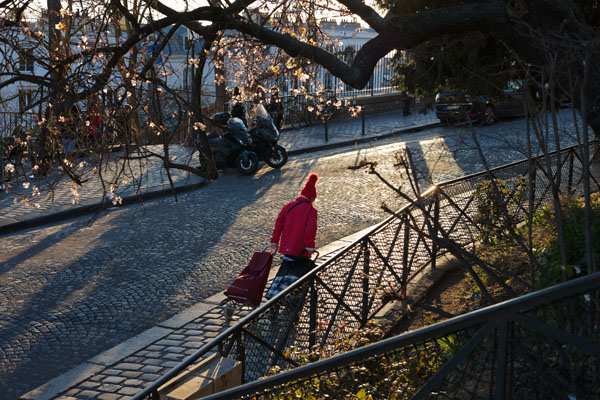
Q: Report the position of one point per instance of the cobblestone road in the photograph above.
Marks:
(70, 290)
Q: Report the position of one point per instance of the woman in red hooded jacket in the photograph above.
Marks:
(295, 232)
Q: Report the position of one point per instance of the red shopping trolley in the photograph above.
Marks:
(247, 289)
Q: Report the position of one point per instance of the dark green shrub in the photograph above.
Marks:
(573, 224)
(493, 222)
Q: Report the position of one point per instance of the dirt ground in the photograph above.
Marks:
(453, 295)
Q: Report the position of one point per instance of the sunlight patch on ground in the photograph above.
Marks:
(440, 161)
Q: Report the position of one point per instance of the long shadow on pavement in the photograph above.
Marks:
(141, 270)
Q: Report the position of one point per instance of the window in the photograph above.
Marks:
(25, 99)
(26, 60)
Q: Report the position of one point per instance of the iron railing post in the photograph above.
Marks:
(362, 113)
(241, 356)
(365, 285)
(312, 337)
(570, 182)
(436, 224)
(533, 177)
(405, 266)
(502, 333)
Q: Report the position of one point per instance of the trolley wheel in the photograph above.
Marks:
(228, 308)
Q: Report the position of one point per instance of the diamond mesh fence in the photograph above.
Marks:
(341, 295)
(541, 346)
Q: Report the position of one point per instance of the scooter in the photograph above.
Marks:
(232, 148)
(264, 136)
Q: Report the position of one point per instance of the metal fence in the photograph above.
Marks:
(11, 121)
(321, 79)
(544, 345)
(342, 294)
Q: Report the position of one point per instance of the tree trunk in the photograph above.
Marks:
(56, 73)
(208, 167)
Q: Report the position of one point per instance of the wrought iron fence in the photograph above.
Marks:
(544, 345)
(343, 293)
(10, 121)
(321, 79)
(303, 109)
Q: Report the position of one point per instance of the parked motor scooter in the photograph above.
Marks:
(232, 148)
(264, 136)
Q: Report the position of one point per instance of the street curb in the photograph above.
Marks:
(98, 207)
(364, 139)
(94, 208)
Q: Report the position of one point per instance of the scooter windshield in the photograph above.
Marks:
(261, 112)
(236, 124)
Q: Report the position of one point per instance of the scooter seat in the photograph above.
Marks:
(212, 135)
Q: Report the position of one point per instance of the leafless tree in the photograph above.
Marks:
(548, 179)
(85, 70)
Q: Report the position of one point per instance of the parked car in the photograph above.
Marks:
(453, 106)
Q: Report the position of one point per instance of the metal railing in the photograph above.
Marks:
(343, 293)
(544, 345)
(303, 109)
(9, 121)
(380, 82)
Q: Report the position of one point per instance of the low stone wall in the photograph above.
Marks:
(387, 102)
(380, 103)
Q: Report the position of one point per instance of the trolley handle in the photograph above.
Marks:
(277, 247)
(268, 246)
(315, 259)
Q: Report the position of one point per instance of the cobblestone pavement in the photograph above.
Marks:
(23, 208)
(71, 291)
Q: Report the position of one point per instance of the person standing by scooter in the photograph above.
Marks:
(238, 109)
(406, 105)
(260, 97)
(295, 233)
(275, 107)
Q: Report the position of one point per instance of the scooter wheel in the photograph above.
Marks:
(248, 166)
(278, 157)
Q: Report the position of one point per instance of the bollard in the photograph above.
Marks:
(362, 113)
(326, 132)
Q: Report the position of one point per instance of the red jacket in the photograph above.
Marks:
(295, 229)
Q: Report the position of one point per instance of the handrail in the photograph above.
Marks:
(470, 319)
(266, 305)
(232, 330)
(358, 249)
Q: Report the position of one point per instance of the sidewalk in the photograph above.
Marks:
(24, 209)
(124, 370)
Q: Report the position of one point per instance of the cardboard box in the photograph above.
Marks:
(212, 375)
